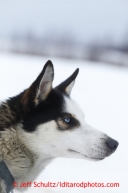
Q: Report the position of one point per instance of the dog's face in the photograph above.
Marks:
(54, 125)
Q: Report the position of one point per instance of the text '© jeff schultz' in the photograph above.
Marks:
(66, 185)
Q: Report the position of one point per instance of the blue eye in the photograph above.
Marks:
(67, 120)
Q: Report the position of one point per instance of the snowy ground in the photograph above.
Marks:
(102, 92)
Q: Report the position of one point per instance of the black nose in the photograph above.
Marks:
(112, 144)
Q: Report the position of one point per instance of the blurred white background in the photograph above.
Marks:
(81, 29)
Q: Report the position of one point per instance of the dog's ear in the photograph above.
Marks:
(44, 81)
(68, 84)
(40, 88)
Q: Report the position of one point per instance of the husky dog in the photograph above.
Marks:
(43, 123)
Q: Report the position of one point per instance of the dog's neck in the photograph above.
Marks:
(23, 164)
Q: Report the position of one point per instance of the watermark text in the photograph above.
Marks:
(66, 185)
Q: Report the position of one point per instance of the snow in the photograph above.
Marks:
(102, 92)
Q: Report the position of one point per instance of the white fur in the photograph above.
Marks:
(90, 140)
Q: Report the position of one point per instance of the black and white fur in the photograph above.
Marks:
(43, 123)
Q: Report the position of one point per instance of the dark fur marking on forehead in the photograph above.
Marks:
(47, 110)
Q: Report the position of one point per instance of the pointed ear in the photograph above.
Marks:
(68, 84)
(40, 88)
(45, 84)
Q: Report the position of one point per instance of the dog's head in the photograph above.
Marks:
(54, 125)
